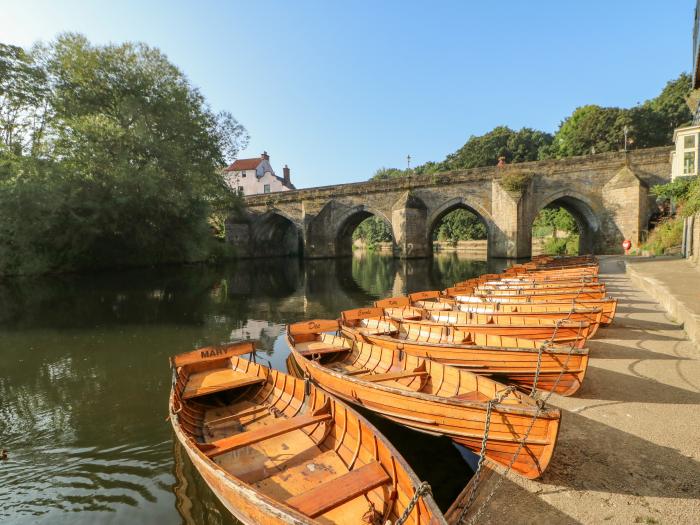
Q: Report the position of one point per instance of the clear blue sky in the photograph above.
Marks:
(339, 89)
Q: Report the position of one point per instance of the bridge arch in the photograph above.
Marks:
(275, 233)
(581, 209)
(349, 220)
(438, 214)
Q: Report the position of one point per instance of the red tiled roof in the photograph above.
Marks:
(245, 164)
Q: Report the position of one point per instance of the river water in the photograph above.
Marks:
(84, 377)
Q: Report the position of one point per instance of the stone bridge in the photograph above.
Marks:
(607, 194)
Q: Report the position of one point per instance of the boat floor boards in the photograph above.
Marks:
(289, 465)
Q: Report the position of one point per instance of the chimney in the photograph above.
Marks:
(285, 173)
(265, 155)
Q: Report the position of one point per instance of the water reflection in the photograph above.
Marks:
(84, 379)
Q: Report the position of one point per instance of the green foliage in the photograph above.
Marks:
(516, 182)
(594, 128)
(562, 246)
(666, 236)
(460, 225)
(485, 150)
(114, 159)
(684, 191)
(371, 231)
(389, 173)
(549, 221)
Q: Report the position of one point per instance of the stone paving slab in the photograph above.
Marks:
(675, 284)
(629, 444)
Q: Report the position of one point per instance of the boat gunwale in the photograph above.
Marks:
(280, 507)
(531, 404)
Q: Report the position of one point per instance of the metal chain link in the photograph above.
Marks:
(541, 403)
(498, 398)
(422, 490)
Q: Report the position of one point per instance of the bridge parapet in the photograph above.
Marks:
(608, 206)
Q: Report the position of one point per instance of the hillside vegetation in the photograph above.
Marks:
(108, 157)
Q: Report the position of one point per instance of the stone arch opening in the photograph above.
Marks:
(275, 235)
(577, 217)
(379, 234)
(457, 226)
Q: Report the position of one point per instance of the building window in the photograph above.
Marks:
(243, 174)
(266, 188)
(689, 141)
(689, 163)
(240, 190)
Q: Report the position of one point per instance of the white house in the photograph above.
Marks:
(684, 157)
(253, 176)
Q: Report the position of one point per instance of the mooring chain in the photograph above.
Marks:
(422, 490)
(541, 403)
(498, 398)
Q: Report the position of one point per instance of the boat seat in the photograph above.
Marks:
(282, 426)
(323, 350)
(327, 496)
(217, 380)
(392, 376)
(472, 396)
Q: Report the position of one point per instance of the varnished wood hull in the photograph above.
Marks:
(281, 488)
(461, 420)
(590, 316)
(508, 364)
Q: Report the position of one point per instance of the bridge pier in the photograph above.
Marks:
(607, 194)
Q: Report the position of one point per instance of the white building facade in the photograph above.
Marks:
(255, 176)
(684, 156)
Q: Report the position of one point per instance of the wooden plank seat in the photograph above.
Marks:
(216, 380)
(324, 350)
(282, 426)
(333, 493)
(392, 376)
(472, 396)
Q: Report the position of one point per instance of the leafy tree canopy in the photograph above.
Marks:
(108, 157)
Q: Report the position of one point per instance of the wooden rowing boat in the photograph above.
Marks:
(514, 304)
(427, 396)
(541, 296)
(583, 310)
(275, 450)
(590, 316)
(507, 359)
(576, 333)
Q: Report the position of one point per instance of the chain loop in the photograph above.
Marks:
(541, 404)
(422, 490)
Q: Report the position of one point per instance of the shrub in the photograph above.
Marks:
(667, 235)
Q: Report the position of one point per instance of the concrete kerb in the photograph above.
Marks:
(678, 307)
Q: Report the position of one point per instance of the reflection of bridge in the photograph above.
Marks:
(607, 194)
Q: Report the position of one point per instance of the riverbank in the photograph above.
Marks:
(675, 284)
(629, 445)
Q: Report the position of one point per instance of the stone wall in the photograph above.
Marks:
(607, 194)
(694, 225)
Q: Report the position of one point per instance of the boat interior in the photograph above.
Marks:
(289, 441)
(383, 366)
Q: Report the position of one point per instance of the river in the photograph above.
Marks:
(84, 377)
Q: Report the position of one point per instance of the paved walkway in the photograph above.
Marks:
(629, 444)
(675, 284)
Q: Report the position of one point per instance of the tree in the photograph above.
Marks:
(371, 231)
(485, 150)
(597, 129)
(389, 173)
(460, 225)
(129, 170)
